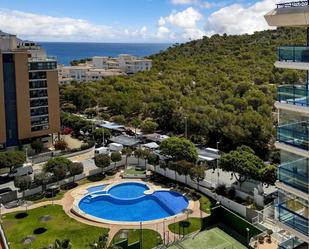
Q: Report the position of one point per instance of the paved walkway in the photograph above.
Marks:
(161, 226)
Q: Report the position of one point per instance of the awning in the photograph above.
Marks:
(151, 145)
(125, 140)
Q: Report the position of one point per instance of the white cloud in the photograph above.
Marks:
(162, 32)
(186, 21)
(240, 19)
(48, 28)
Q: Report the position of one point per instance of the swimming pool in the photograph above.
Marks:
(128, 202)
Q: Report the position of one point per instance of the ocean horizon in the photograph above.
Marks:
(69, 51)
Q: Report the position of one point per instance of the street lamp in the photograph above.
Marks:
(164, 231)
(141, 235)
(175, 228)
(186, 127)
(217, 162)
(0, 209)
(248, 234)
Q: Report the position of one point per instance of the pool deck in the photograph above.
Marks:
(70, 199)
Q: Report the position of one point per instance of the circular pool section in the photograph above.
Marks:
(127, 202)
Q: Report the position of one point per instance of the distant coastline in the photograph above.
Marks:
(68, 51)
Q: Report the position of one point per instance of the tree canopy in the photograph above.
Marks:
(244, 164)
(179, 149)
(224, 85)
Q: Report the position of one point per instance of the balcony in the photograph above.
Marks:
(293, 53)
(293, 94)
(293, 214)
(295, 174)
(290, 243)
(42, 65)
(295, 134)
(289, 14)
(293, 4)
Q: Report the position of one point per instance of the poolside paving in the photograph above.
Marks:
(161, 226)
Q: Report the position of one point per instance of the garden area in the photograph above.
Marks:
(150, 238)
(40, 227)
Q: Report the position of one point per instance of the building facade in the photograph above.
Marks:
(292, 207)
(29, 92)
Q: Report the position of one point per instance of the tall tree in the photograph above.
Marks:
(102, 161)
(12, 159)
(243, 163)
(75, 168)
(197, 174)
(116, 157)
(127, 152)
(179, 149)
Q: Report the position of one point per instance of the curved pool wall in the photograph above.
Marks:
(119, 203)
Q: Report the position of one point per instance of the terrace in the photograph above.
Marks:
(295, 174)
(293, 94)
(295, 134)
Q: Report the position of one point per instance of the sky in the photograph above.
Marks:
(153, 21)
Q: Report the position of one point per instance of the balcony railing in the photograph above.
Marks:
(293, 53)
(42, 65)
(293, 4)
(293, 94)
(292, 219)
(290, 243)
(295, 134)
(291, 174)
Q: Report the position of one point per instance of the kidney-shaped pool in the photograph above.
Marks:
(129, 202)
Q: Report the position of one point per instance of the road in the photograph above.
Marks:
(85, 159)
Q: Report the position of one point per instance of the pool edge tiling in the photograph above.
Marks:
(149, 204)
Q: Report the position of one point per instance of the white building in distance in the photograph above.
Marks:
(101, 67)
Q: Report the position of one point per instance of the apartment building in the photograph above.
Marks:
(293, 128)
(85, 73)
(29, 93)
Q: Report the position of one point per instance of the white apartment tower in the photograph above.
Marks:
(293, 128)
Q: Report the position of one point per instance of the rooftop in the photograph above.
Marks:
(293, 4)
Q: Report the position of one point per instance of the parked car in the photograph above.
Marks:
(101, 150)
(26, 169)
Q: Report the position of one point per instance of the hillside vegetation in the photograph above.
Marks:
(224, 85)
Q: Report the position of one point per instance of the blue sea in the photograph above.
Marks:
(68, 51)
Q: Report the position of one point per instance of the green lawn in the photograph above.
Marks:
(186, 227)
(150, 238)
(205, 204)
(214, 238)
(59, 226)
(134, 171)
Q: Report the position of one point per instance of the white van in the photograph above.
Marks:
(26, 169)
(101, 150)
(115, 147)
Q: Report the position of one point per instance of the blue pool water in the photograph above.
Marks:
(96, 188)
(127, 202)
(128, 190)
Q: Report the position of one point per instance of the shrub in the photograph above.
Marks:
(231, 193)
(221, 189)
(60, 145)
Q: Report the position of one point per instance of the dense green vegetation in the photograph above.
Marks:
(224, 86)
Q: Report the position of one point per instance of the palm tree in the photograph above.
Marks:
(139, 153)
(62, 244)
(101, 243)
(127, 152)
